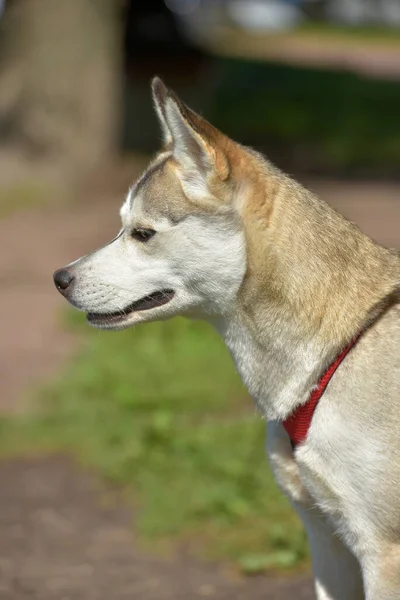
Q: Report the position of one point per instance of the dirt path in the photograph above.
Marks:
(57, 538)
(369, 56)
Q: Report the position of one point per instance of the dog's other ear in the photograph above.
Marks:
(195, 143)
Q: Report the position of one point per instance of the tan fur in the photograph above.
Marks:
(309, 260)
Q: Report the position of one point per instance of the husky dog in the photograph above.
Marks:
(213, 230)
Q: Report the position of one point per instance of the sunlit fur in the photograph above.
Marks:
(287, 282)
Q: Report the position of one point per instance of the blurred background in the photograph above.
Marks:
(132, 464)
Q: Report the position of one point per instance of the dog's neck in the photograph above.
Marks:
(313, 282)
(277, 372)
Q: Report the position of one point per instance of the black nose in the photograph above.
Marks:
(63, 278)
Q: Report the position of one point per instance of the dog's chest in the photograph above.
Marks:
(305, 484)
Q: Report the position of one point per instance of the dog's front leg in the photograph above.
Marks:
(337, 573)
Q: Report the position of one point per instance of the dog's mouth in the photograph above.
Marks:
(153, 300)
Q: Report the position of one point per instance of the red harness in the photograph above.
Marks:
(298, 422)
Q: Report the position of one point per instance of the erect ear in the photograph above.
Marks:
(195, 143)
(160, 93)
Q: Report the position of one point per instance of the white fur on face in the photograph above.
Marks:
(201, 258)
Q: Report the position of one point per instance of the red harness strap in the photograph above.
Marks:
(298, 423)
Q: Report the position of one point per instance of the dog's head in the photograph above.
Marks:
(181, 248)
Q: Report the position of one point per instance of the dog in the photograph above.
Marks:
(300, 295)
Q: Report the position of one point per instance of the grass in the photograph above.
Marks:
(161, 411)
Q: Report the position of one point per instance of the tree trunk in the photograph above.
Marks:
(60, 70)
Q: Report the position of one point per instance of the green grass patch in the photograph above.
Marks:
(160, 410)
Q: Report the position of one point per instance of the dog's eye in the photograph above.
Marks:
(142, 234)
